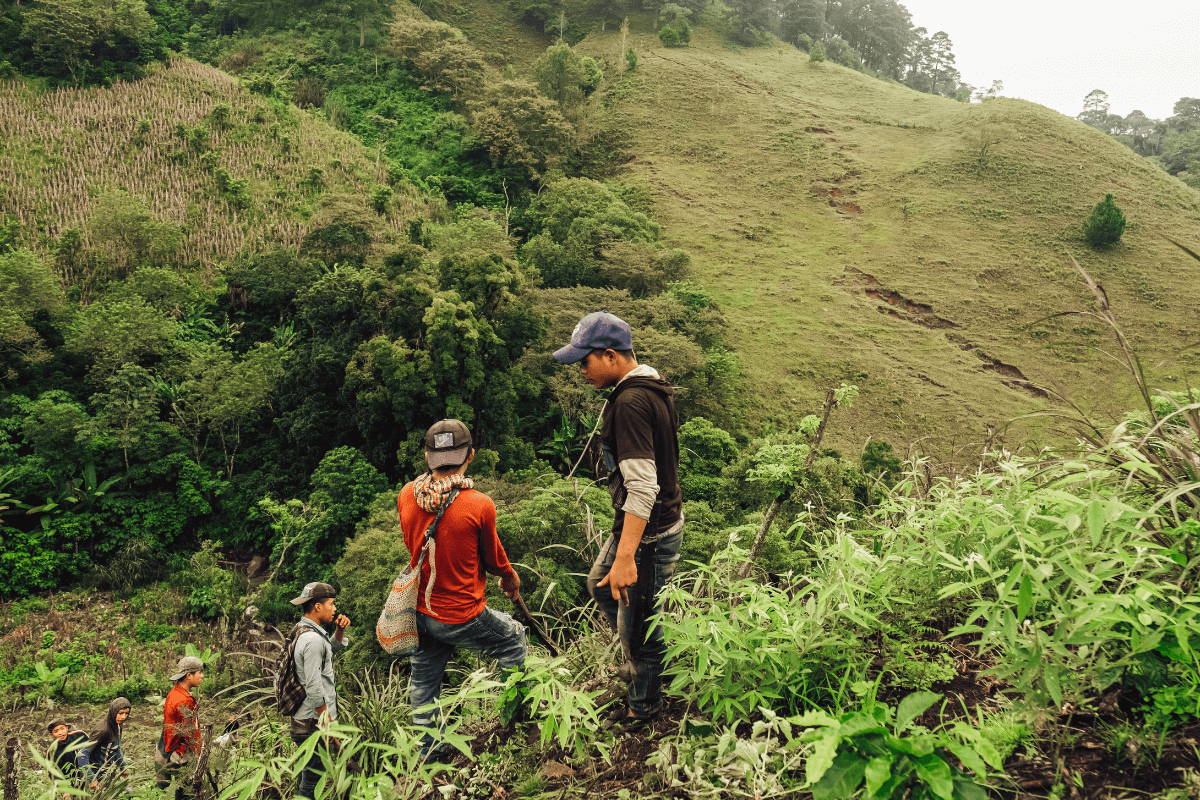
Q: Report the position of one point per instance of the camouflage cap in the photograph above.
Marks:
(314, 591)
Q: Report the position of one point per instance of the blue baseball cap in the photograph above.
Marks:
(599, 330)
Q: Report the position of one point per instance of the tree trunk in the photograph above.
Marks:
(10, 769)
(761, 536)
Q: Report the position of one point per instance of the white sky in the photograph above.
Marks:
(1144, 54)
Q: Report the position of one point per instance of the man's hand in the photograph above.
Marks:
(622, 575)
(340, 624)
(510, 584)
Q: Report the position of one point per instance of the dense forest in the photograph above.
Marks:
(308, 230)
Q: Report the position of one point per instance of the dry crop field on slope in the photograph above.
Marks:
(165, 139)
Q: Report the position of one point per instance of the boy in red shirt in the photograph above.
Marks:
(451, 610)
(180, 742)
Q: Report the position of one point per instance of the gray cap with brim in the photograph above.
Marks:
(599, 330)
(314, 591)
(186, 666)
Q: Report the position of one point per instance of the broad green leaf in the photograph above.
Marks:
(1144, 644)
(878, 772)
(966, 789)
(822, 756)
(914, 706)
(936, 774)
(985, 748)
(842, 778)
(969, 758)
(859, 725)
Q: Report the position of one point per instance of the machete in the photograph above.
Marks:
(527, 618)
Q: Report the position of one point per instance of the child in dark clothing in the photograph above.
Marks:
(68, 753)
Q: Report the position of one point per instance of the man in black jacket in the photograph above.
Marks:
(639, 454)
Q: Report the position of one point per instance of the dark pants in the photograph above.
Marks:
(306, 781)
(492, 633)
(646, 651)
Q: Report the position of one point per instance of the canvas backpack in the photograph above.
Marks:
(396, 629)
(289, 691)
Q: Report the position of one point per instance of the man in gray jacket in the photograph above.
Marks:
(314, 669)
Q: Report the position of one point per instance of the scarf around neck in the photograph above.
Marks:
(431, 492)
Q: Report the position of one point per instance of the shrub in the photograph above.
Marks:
(572, 221)
(723, 655)
(344, 486)
(631, 60)
(558, 519)
(236, 191)
(1105, 225)
(370, 561)
(1066, 591)
(676, 35)
(816, 53)
(675, 30)
(704, 452)
(213, 591)
(883, 751)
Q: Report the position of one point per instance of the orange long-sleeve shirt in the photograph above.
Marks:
(467, 545)
(181, 728)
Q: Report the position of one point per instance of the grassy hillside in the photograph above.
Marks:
(152, 137)
(852, 232)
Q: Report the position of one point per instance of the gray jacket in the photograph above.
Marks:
(314, 669)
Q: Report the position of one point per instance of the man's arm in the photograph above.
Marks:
(639, 474)
(83, 757)
(492, 553)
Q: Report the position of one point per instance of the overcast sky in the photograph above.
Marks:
(1144, 54)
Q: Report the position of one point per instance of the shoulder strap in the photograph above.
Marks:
(431, 531)
(430, 546)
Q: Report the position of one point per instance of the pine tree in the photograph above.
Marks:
(1106, 224)
(817, 53)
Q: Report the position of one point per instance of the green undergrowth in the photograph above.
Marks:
(1067, 581)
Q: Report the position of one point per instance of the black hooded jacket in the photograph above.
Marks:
(640, 422)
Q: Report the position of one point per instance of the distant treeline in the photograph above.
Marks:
(1174, 142)
(876, 36)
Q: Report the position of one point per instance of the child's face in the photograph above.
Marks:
(122, 715)
(59, 732)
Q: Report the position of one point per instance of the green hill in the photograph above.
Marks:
(234, 169)
(852, 231)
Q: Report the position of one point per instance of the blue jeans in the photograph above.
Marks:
(491, 632)
(307, 780)
(645, 691)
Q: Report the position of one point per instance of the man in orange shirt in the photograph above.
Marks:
(180, 742)
(451, 609)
